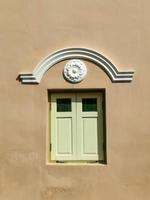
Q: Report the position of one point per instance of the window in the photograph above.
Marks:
(76, 127)
(89, 104)
(63, 105)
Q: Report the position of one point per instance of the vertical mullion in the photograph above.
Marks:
(100, 127)
(79, 118)
(73, 98)
(76, 129)
(53, 114)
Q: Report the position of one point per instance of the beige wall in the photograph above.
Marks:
(30, 30)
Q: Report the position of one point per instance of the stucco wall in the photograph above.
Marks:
(30, 30)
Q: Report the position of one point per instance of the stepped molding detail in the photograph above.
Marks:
(76, 53)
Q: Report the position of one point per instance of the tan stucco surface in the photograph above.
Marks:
(30, 30)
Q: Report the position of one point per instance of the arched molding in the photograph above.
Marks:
(76, 53)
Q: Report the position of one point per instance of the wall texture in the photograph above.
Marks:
(30, 30)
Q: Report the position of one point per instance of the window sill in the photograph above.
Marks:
(75, 164)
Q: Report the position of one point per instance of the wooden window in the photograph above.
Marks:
(76, 127)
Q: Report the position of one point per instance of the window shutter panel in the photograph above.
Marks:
(63, 128)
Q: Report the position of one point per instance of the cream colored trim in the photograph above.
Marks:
(76, 53)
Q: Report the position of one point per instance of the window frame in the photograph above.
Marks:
(103, 92)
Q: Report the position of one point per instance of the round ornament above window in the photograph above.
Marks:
(75, 71)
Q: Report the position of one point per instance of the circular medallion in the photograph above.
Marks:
(75, 71)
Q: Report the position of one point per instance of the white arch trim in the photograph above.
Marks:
(76, 53)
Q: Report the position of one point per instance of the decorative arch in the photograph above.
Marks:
(76, 53)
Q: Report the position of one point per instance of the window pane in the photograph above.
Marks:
(64, 105)
(89, 105)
